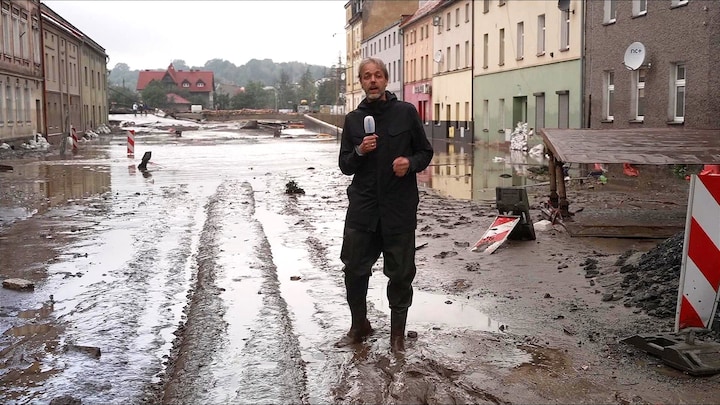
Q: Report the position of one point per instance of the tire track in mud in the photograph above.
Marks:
(268, 365)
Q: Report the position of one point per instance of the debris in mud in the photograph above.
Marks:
(18, 284)
(651, 281)
(292, 188)
(92, 351)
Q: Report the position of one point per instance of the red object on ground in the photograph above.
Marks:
(710, 169)
(630, 170)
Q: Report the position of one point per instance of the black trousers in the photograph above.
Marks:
(360, 251)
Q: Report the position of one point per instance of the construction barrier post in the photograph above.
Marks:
(131, 143)
(699, 271)
(74, 140)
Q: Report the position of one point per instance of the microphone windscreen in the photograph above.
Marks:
(369, 124)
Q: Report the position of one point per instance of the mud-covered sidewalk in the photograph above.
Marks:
(202, 281)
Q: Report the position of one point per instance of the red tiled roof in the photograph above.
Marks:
(173, 98)
(192, 77)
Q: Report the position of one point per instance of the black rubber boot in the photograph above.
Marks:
(398, 319)
(357, 300)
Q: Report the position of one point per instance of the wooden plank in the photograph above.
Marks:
(654, 146)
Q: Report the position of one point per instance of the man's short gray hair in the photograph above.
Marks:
(375, 61)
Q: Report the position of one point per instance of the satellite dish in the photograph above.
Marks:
(634, 56)
(438, 56)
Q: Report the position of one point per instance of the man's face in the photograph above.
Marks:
(373, 82)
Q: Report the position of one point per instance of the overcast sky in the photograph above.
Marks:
(151, 34)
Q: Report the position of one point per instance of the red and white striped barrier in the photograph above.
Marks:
(74, 139)
(131, 143)
(497, 233)
(700, 269)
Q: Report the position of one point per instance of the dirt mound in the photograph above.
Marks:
(651, 280)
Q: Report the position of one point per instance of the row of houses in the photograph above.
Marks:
(52, 76)
(474, 69)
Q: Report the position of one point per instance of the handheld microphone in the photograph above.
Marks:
(369, 124)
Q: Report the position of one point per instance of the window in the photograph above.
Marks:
(437, 114)
(609, 100)
(501, 114)
(467, 115)
(639, 94)
(26, 98)
(6, 29)
(447, 62)
(467, 54)
(541, 35)
(19, 113)
(520, 40)
(639, 7)
(186, 84)
(565, 31)
(25, 38)
(457, 17)
(679, 93)
(457, 56)
(8, 103)
(200, 84)
(448, 22)
(16, 31)
(563, 109)
(467, 12)
(610, 8)
(501, 3)
(486, 46)
(501, 47)
(486, 115)
(539, 110)
(486, 6)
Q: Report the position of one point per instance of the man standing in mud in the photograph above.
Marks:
(383, 155)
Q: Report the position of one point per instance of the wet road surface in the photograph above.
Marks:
(206, 245)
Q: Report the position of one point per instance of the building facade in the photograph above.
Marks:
(636, 78)
(21, 74)
(452, 29)
(387, 46)
(365, 19)
(417, 61)
(75, 78)
(527, 66)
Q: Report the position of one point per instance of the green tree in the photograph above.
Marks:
(155, 94)
(121, 96)
(327, 93)
(222, 101)
(307, 89)
(286, 91)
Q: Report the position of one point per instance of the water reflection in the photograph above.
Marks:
(40, 186)
(473, 172)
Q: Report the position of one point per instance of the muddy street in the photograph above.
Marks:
(201, 280)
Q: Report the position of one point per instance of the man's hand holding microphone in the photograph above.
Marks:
(369, 143)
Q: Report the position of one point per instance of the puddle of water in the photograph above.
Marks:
(42, 185)
(473, 172)
(430, 310)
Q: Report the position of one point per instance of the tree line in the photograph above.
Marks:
(256, 85)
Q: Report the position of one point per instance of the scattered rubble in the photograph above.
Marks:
(651, 280)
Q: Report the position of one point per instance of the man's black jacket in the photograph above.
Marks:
(376, 194)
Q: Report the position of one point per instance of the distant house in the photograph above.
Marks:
(177, 103)
(197, 82)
